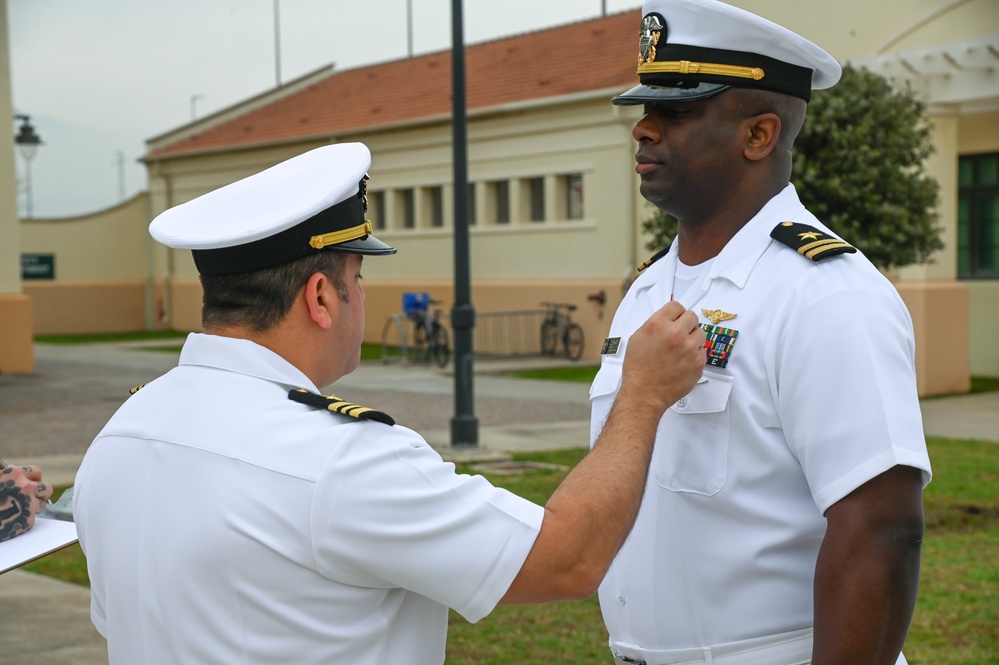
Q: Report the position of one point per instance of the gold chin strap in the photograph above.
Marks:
(337, 237)
(688, 67)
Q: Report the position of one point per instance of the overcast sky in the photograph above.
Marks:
(98, 77)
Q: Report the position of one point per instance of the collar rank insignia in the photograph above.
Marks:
(718, 345)
(337, 405)
(717, 315)
(655, 257)
(809, 241)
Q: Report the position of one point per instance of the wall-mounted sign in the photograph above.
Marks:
(37, 266)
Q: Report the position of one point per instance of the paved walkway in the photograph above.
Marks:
(50, 417)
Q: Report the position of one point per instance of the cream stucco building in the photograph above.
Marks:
(555, 208)
(15, 307)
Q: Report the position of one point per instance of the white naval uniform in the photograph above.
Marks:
(818, 397)
(225, 523)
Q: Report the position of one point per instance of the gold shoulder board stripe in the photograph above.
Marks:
(136, 389)
(337, 405)
(809, 241)
(655, 257)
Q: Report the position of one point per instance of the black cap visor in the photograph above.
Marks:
(643, 94)
(367, 245)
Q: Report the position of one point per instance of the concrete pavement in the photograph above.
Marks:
(50, 417)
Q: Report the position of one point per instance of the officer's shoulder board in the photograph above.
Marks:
(136, 389)
(652, 259)
(809, 241)
(337, 405)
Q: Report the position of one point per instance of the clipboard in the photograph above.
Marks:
(45, 537)
(54, 529)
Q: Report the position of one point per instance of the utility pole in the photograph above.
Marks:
(194, 106)
(409, 27)
(277, 44)
(121, 176)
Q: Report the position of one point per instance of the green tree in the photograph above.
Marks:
(858, 166)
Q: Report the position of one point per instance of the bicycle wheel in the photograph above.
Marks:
(420, 349)
(439, 346)
(574, 341)
(549, 337)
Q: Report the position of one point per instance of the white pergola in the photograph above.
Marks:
(959, 77)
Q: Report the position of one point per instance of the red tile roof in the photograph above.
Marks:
(588, 55)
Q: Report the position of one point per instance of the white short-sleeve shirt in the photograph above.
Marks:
(818, 397)
(225, 523)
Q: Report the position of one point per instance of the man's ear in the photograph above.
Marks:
(317, 294)
(763, 132)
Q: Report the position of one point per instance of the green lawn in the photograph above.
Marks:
(368, 351)
(956, 620)
(575, 373)
(111, 337)
(984, 384)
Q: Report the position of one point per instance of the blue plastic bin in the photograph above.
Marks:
(414, 303)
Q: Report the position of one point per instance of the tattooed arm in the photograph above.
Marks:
(22, 496)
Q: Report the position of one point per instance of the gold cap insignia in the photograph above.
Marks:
(652, 27)
(717, 316)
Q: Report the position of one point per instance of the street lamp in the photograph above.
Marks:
(27, 141)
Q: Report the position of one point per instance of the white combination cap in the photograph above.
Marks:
(315, 201)
(691, 49)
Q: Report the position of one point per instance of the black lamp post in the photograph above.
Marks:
(464, 425)
(27, 141)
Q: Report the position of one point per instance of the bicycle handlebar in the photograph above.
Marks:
(559, 305)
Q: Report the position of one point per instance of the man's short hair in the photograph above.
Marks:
(259, 300)
(791, 110)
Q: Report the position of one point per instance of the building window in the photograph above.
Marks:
(500, 195)
(536, 189)
(470, 204)
(978, 217)
(376, 209)
(574, 196)
(407, 208)
(437, 206)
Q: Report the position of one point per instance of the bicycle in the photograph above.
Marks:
(558, 328)
(430, 338)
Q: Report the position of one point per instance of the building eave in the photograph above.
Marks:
(414, 123)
